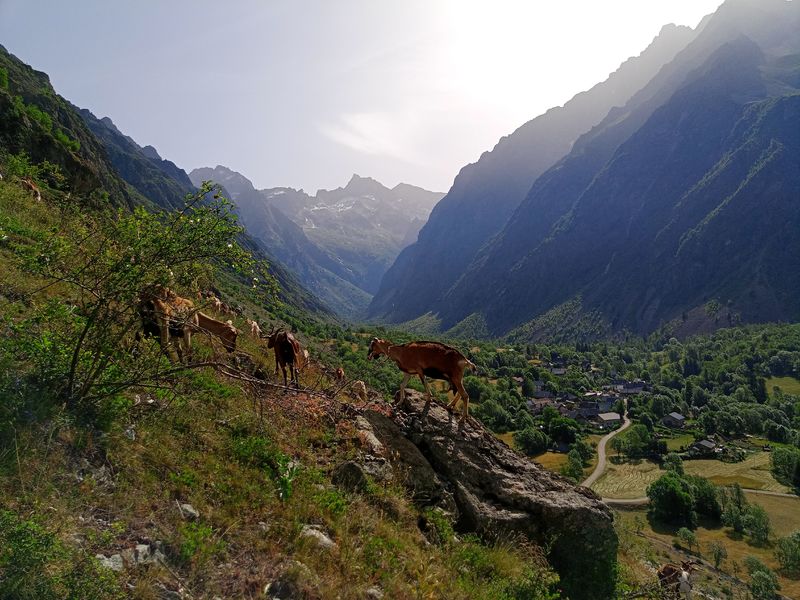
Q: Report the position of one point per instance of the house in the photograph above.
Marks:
(633, 387)
(703, 447)
(538, 405)
(608, 420)
(557, 369)
(543, 394)
(674, 420)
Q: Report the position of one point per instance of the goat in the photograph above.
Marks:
(340, 374)
(28, 184)
(360, 390)
(431, 359)
(255, 330)
(226, 332)
(287, 352)
(168, 316)
(677, 579)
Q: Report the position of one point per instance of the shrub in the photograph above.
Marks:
(787, 552)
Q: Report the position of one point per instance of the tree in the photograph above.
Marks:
(787, 552)
(585, 450)
(718, 553)
(531, 441)
(756, 523)
(671, 500)
(687, 537)
(672, 462)
(574, 467)
(763, 581)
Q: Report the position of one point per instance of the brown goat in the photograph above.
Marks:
(168, 316)
(255, 329)
(427, 359)
(226, 332)
(340, 374)
(28, 184)
(287, 352)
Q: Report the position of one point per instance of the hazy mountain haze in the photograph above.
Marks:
(303, 94)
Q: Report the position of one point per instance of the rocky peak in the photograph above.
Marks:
(495, 492)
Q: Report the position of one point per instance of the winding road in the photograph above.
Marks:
(601, 467)
(601, 450)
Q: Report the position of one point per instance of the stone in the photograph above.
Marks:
(313, 532)
(113, 562)
(350, 476)
(373, 593)
(189, 512)
(293, 582)
(498, 492)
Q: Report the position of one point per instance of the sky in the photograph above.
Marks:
(304, 93)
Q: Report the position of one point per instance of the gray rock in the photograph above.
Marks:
(498, 492)
(313, 532)
(189, 512)
(374, 593)
(350, 476)
(294, 582)
(113, 562)
(379, 470)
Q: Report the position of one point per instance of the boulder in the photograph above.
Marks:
(350, 476)
(499, 493)
(321, 538)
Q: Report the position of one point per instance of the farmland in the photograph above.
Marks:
(788, 385)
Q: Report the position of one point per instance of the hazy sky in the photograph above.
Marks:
(304, 94)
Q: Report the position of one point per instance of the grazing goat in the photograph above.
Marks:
(676, 579)
(427, 359)
(28, 184)
(168, 316)
(340, 374)
(255, 330)
(287, 352)
(226, 332)
(360, 390)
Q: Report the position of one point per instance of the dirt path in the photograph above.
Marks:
(601, 450)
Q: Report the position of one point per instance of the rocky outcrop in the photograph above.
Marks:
(497, 493)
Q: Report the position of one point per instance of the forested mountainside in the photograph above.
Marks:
(682, 197)
(155, 178)
(339, 242)
(486, 193)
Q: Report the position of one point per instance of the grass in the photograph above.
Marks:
(552, 461)
(788, 385)
(681, 441)
(784, 514)
(752, 473)
(630, 479)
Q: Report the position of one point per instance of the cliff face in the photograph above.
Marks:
(495, 492)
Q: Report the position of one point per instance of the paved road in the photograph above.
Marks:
(601, 450)
(645, 500)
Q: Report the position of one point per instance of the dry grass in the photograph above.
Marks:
(784, 514)
(627, 479)
(752, 473)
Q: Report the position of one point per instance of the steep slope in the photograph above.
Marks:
(286, 242)
(651, 231)
(36, 121)
(157, 179)
(486, 193)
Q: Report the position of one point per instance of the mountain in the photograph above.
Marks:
(486, 193)
(37, 122)
(339, 242)
(157, 179)
(285, 241)
(685, 196)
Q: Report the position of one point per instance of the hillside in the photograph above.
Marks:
(649, 182)
(601, 243)
(485, 194)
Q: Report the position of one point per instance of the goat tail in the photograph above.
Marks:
(472, 366)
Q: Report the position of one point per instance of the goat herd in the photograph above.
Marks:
(173, 319)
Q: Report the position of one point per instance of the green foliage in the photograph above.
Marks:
(573, 470)
(786, 465)
(531, 441)
(258, 451)
(439, 526)
(787, 552)
(3, 78)
(68, 142)
(673, 462)
(197, 543)
(687, 537)
(672, 500)
(756, 523)
(763, 581)
(34, 565)
(718, 552)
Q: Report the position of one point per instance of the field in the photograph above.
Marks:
(683, 440)
(752, 473)
(788, 385)
(630, 479)
(627, 479)
(785, 517)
